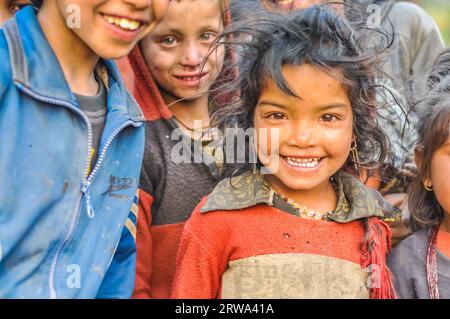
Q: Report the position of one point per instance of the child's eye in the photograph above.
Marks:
(207, 36)
(13, 8)
(168, 41)
(329, 118)
(276, 116)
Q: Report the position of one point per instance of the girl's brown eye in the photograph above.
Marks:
(328, 118)
(277, 116)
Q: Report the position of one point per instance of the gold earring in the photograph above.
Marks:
(355, 155)
(428, 185)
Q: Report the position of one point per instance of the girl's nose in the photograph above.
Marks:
(192, 55)
(301, 135)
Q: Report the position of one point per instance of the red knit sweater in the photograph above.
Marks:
(262, 252)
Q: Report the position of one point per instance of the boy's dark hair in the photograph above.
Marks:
(315, 36)
(434, 126)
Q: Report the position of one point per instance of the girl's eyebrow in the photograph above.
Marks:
(332, 106)
(271, 103)
(173, 31)
(179, 32)
(319, 108)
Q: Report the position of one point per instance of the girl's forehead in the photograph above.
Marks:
(202, 8)
(310, 84)
(187, 15)
(306, 77)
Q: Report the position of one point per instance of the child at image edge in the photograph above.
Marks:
(421, 263)
(72, 142)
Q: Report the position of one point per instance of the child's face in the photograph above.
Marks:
(315, 130)
(9, 7)
(111, 28)
(176, 52)
(440, 171)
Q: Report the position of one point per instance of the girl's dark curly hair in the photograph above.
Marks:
(265, 41)
(434, 130)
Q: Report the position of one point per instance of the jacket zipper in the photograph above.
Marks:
(88, 177)
(89, 180)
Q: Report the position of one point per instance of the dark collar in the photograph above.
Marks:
(355, 201)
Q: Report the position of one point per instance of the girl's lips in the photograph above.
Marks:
(190, 80)
(122, 29)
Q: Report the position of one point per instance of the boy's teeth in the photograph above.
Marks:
(303, 162)
(123, 23)
(190, 78)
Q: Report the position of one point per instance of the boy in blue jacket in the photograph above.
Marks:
(71, 146)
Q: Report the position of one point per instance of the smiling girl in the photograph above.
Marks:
(308, 229)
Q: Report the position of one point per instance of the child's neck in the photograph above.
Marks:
(189, 111)
(322, 198)
(77, 60)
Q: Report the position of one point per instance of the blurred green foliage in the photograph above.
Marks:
(440, 11)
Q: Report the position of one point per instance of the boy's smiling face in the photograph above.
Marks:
(177, 49)
(110, 28)
(9, 7)
(315, 129)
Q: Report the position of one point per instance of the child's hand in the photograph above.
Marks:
(400, 227)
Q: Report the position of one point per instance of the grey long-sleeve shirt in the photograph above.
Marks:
(408, 264)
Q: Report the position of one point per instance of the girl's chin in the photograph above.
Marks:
(297, 185)
(291, 183)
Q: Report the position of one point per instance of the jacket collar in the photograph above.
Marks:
(35, 66)
(355, 201)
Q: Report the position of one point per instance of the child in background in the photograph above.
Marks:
(421, 263)
(8, 8)
(308, 229)
(72, 142)
(174, 70)
(416, 42)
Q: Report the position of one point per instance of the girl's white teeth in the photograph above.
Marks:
(303, 162)
(132, 25)
(189, 78)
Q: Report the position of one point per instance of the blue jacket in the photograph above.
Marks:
(61, 226)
